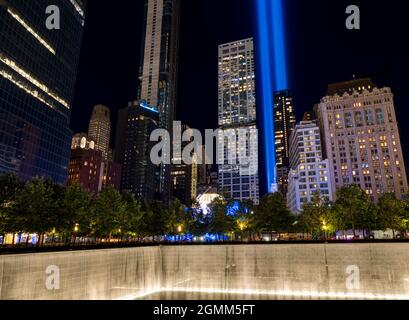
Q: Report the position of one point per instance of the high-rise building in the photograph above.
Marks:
(133, 146)
(361, 138)
(184, 176)
(38, 69)
(203, 171)
(158, 71)
(237, 113)
(99, 129)
(309, 172)
(284, 123)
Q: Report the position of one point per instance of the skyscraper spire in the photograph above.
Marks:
(158, 72)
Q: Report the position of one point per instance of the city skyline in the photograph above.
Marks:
(306, 92)
(181, 149)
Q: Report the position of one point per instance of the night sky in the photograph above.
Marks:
(320, 50)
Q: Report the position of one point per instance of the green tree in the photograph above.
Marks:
(391, 213)
(201, 222)
(405, 213)
(107, 208)
(272, 214)
(36, 207)
(155, 219)
(353, 209)
(244, 217)
(10, 187)
(316, 216)
(75, 212)
(178, 220)
(221, 223)
(130, 221)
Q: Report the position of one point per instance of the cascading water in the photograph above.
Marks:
(296, 271)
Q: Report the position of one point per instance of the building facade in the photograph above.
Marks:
(112, 175)
(184, 176)
(309, 172)
(89, 169)
(86, 164)
(361, 138)
(284, 123)
(82, 141)
(38, 69)
(237, 114)
(133, 146)
(159, 65)
(99, 129)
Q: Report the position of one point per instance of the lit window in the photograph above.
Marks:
(30, 30)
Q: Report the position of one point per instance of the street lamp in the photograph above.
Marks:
(325, 228)
(241, 225)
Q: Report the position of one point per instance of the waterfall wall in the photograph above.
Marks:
(310, 270)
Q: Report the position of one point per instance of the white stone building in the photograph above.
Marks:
(361, 138)
(309, 171)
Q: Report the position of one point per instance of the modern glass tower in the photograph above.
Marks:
(38, 69)
(133, 146)
(158, 68)
(237, 112)
(284, 123)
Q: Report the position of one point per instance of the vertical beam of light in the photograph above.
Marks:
(279, 50)
(272, 69)
(265, 90)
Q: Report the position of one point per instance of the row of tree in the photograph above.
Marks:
(44, 208)
(354, 210)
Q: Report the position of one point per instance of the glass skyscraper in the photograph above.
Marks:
(133, 146)
(38, 69)
(237, 113)
(158, 70)
(284, 123)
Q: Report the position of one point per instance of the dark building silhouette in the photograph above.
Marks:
(112, 175)
(309, 116)
(38, 69)
(284, 124)
(133, 146)
(184, 176)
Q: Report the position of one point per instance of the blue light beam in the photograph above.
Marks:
(279, 49)
(272, 70)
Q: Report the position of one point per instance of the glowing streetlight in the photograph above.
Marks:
(77, 227)
(180, 229)
(325, 228)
